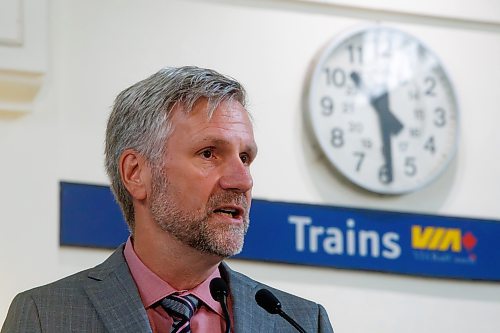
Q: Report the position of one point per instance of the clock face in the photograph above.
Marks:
(383, 110)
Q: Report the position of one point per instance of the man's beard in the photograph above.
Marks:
(200, 228)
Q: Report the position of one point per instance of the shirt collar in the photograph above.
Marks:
(153, 289)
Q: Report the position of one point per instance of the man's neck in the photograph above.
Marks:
(180, 265)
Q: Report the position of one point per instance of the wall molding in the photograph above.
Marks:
(18, 90)
(23, 52)
(11, 23)
(478, 11)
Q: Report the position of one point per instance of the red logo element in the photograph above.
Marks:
(469, 241)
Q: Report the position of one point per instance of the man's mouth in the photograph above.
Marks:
(233, 212)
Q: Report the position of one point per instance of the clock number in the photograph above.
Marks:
(431, 85)
(355, 51)
(366, 143)
(337, 139)
(415, 132)
(350, 90)
(348, 107)
(361, 157)
(327, 105)
(336, 77)
(429, 145)
(414, 94)
(383, 175)
(356, 126)
(440, 120)
(410, 167)
(419, 114)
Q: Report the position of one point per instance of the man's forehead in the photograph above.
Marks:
(205, 111)
(229, 115)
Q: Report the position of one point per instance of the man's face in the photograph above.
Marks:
(201, 194)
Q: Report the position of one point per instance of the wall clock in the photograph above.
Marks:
(383, 109)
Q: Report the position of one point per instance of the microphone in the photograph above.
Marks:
(271, 304)
(220, 292)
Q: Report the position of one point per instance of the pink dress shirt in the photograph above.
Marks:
(152, 289)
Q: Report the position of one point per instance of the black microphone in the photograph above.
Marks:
(219, 292)
(271, 304)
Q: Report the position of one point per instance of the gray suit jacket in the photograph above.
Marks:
(105, 299)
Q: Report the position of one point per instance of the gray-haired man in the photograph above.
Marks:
(179, 146)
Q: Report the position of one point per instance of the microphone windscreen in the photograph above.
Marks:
(268, 301)
(218, 289)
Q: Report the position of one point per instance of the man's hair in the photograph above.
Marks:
(141, 118)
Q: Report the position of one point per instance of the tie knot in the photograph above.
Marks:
(180, 307)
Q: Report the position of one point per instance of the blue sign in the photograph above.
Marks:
(347, 238)
(90, 217)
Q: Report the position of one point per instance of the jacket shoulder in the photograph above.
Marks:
(44, 308)
(312, 316)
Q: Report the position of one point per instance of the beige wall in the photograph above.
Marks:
(97, 48)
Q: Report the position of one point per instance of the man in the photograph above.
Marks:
(179, 146)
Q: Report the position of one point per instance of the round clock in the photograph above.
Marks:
(383, 110)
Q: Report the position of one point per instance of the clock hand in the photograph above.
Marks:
(389, 123)
(388, 119)
(390, 126)
(357, 80)
(387, 153)
(381, 105)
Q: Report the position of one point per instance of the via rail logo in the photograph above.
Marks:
(439, 244)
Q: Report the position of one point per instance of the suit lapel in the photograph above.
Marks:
(113, 292)
(247, 315)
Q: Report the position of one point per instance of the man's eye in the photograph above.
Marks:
(245, 158)
(207, 153)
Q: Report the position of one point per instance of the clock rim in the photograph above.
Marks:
(314, 70)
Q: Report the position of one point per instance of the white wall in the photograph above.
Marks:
(97, 48)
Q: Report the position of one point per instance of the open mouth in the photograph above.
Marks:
(234, 212)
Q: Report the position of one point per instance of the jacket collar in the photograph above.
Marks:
(113, 292)
(247, 315)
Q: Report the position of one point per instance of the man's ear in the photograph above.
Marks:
(135, 173)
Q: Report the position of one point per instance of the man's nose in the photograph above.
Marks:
(236, 176)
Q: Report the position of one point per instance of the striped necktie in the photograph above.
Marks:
(181, 309)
